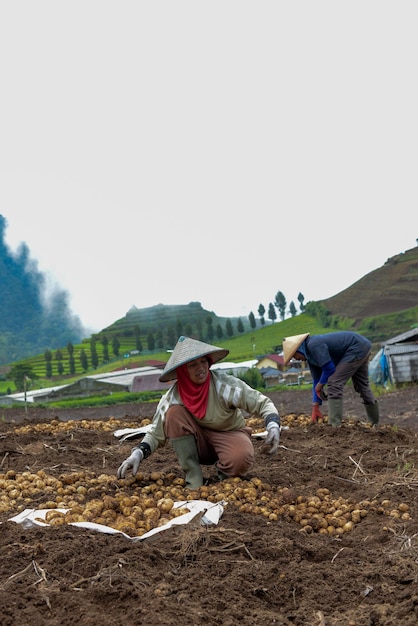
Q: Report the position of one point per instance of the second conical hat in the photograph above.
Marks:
(291, 345)
(187, 349)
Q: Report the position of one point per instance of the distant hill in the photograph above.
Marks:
(168, 322)
(389, 294)
(390, 289)
(174, 316)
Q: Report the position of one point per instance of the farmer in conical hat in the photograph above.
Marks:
(201, 415)
(333, 359)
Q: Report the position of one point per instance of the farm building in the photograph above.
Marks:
(397, 360)
(237, 369)
(275, 372)
(271, 375)
(124, 380)
(271, 360)
(129, 380)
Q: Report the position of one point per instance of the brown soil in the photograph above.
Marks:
(247, 569)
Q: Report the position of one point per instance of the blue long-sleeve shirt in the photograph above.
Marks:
(324, 352)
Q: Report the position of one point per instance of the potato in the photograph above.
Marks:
(165, 505)
(152, 514)
(50, 515)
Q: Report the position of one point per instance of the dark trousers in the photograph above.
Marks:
(358, 371)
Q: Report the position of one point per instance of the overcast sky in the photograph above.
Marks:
(176, 151)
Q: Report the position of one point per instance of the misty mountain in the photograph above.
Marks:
(32, 316)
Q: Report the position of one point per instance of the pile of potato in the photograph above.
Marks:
(55, 426)
(137, 505)
(289, 420)
(131, 515)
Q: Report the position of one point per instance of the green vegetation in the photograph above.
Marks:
(66, 365)
(383, 326)
(246, 346)
(108, 400)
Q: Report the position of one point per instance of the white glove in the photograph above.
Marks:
(132, 462)
(273, 437)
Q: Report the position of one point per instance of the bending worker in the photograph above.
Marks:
(201, 415)
(333, 359)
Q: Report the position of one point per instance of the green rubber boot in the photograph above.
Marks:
(335, 412)
(373, 413)
(221, 476)
(186, 451)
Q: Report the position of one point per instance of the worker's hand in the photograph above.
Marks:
(273, 437)
(320, 391)
(323, 395)
(316, 413)
(132, 462)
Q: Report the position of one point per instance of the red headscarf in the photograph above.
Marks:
(194, 396)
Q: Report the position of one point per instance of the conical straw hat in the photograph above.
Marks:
(187, 350)
(291, 345)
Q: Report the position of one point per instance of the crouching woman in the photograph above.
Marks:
(201, 415)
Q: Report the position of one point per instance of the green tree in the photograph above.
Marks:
(71, 362)
(320, 312)
(188, 329)
(280, 304)
(292, 309)
(105, 344)
(261, 312)
(84, 362)
(115, 346)
(93, 353)
(21, 374)
(219, 331)
(272, 315)
(60, 365)
(240, 326)
(48, 363)
(254, 378)
(229, 329)
(301, 299)
(251, 319)
(137, 335)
